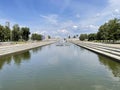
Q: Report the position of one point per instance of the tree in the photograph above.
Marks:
(7, 32)
(69, 37)
(16, 34)
(109, 30)
(92, 37)
(25, 33)
(103, 32)
(83, 37)
(36, 36)
(74, 36)
(114, 27)
(1, 33)
(49, 37)
(117, 35)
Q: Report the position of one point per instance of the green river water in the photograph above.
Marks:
(58, 68)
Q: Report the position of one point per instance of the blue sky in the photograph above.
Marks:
(59, 17)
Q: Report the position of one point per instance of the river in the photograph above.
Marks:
(58, 68)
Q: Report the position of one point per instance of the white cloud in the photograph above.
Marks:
(87, 28)
(75, 27)
(117, 11)
(64, 31)
(57, 25)
(114, 3)
(44, 32)
(92, 26)
(12, 22)
(52, 18)
(98, 15)
(109, 12)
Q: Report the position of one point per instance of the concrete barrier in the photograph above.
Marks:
(104, 49)
(5, 50)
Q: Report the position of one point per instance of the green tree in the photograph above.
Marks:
(36, 36)
(103, 32)
(74, 36)
(49, 37)
(83, 37)
(25, 32)
(117, 35)
(92, 36)
(69, 37)
(7, 32)
(1, 33)
(114, 27)
(109, 30)
(16, 34)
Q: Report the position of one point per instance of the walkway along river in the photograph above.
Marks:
(58, 68)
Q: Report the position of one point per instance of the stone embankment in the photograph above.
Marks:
(9, 49)
(109, 50)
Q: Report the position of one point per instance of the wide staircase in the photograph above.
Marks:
(111, 51)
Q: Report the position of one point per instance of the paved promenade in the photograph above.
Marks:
(9, 49)
(109, 50)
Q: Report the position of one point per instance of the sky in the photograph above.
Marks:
(59, 18)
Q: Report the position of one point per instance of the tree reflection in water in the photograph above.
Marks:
(35, 50)
(5, 60)
(23, 56)
(17, 58)
(112, 65)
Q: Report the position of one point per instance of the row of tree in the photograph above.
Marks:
(16, 34)
(36, 36)
(89, 37)
(106, 32)
(4, 33)
(20, 33)
(75, 36)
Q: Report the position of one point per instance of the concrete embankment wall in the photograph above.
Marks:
(5, 50)
(105, 49)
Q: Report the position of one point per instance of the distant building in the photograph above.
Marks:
(7, 24)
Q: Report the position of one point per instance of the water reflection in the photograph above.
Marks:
(23, 56)
(59, 68)
(5, 60)
(35, 50)
(17, 58)
(112, 65)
